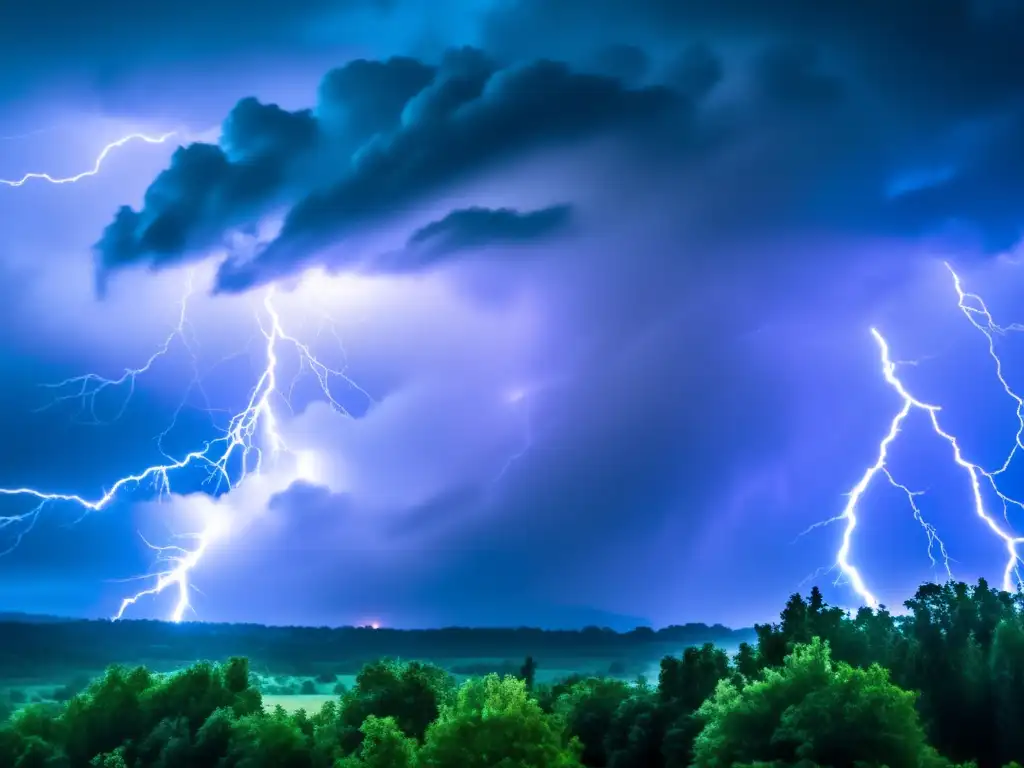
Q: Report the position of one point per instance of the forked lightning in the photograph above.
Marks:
(229, 458)
(981, 480)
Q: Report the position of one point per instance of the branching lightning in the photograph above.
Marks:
(975, 310)
(229, 458)
(87, 388)
(97, 164)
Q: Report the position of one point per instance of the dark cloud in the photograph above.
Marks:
(364, 98)
(467, 126)
(209, 187)
(791, 74)
(965, 49)
(414, 137)
(108, 47)
(694, 71)
(388, 134)
(628, 63)
(468, 229)
(465, 130)
(913, 83)
(986, 191)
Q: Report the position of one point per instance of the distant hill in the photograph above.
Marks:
(18, 617)
(29, 642)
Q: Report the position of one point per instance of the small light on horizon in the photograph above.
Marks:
(375, 625)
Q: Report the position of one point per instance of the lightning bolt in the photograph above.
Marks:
(229, 459)
(87, 388)
(518, 399)
(975, 310)
(97, 164)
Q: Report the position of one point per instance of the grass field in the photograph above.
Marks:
(294, 703)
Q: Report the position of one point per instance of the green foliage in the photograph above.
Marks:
(938, 687)
(635, 734)
(384, 746)
(494, 722)
(411, 693)
(267, 741)
(72, 688)
(589, 708)
(812, 711)
(548, 695)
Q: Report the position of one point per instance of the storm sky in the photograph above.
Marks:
(600, 275)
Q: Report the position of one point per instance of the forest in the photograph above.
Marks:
(940, 684)
(29, 643)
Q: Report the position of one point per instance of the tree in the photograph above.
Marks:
(1007, 670)
(528, 672)
(384, 746)
(635, 734)
(495, 722)
(747, 661)
(412, 693)
(814, 711)
(683, 685)
(589, 709)
(267, 741)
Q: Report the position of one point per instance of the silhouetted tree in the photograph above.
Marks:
(528, 672)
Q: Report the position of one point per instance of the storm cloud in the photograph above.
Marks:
(384, 135)
(605, 267)
(416, 138)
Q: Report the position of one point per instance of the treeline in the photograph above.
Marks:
(28, 646)
(938, 687)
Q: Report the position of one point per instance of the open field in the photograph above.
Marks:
(294, 703)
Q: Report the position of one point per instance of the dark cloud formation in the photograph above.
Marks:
(791, 74)
(628, 63)
(107, 48)
(471, 229)
(366, 98)
(920, 85)
(392, 133)
(987, 188)
(694, 71)
(387, 134)
(209, 187)
(466, 125)
(968, 47)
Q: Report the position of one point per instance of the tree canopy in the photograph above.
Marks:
(940, 686)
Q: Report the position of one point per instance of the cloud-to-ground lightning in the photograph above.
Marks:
(517, 398)
(97, 163)
(229, 458)
(974, 308)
